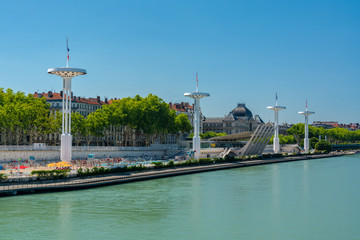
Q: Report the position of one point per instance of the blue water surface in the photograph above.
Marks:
(315, 199)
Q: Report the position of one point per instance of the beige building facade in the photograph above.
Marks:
(240, 119)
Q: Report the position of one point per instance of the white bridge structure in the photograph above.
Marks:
(256, 145)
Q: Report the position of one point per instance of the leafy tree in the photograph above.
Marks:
(55, 121)
(96, 124)
(323, 145)
(284, 139)
(182, 123)
(21, 114)
(78, 126)
(313, 142)
(209, 134)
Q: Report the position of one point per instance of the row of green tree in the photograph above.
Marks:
(296, 134)
(23, 116)
(207, 135)
(149, 115)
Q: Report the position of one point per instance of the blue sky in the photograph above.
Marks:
(243, 51)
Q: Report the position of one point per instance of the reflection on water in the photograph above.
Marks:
(298, 200)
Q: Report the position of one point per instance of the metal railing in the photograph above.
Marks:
(84, 148)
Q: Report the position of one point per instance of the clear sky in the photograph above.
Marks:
(243, 51)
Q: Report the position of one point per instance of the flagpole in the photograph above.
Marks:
(197, 83)
(67, 50)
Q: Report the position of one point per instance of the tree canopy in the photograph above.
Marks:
(323, 146)
(25, 115)
(22, 114)
(334, 135)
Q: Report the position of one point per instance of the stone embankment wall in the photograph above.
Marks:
(53, 155)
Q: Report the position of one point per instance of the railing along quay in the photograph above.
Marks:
(86, 148)
(13, 188)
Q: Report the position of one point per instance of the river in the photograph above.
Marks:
(316, 199)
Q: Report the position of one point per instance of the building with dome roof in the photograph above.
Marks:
(240, 119)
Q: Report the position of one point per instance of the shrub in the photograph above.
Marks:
(171, 164)
(232, 158)
(50, 174)
(95, 171)
(277, 155)
(218, 160)
(205, 161)
(323, 145)
(3, 176)
(158, 164)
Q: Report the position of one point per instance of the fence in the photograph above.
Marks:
(86, 148)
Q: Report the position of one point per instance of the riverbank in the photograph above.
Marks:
(21, 187)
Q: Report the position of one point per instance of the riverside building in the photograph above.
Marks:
(240, 119)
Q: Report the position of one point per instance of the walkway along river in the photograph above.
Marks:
(14, 188)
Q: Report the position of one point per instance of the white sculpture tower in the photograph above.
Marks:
(67, 74)
(196, 96)
(276, 109)
(306, 113)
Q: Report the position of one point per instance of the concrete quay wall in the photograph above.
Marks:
(29, 187)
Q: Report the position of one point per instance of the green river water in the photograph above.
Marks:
(316, 199)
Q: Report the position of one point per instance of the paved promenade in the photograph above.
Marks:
(14, 188)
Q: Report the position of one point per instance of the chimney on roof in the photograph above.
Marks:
(106, 100)
(78, 98)
(98, 99)
(72, 94)
(61, 93)
(50, 94)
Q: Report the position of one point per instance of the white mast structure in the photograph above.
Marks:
(196, 96)
(67, 74)
(276, 109)
(306, 113)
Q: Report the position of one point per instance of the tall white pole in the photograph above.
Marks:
(66, 139)
(306, 113)
(306, 139)
(196, 139)
(276, 145)
(276, 109)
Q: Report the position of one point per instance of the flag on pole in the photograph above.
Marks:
(197, 83)
(67, 48)
(306, 104)
(276, 97)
